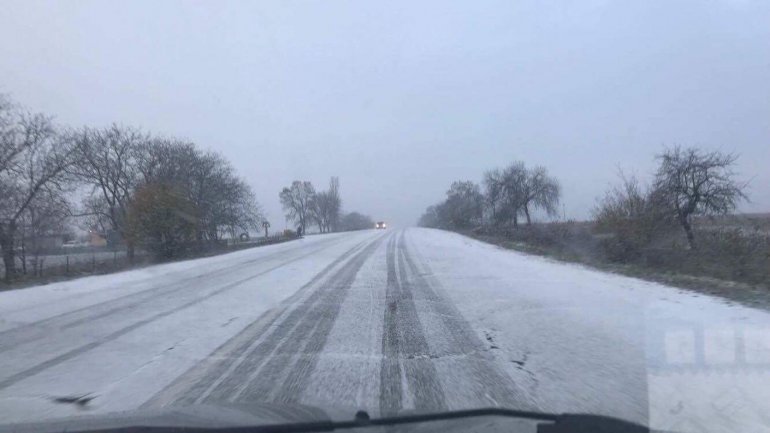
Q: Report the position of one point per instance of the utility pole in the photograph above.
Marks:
(266, 225)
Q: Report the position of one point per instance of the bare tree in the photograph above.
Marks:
(493, 192)
(297, 201)
(335, 203)
(106, 162)
(33, 160)
(11, 142)
(539, 191)
(325, 207)
(43, 220)
(320, 207)
(464, 204)
(514, 178)
(517, 190)
(691, 182)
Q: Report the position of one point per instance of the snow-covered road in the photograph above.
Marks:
(387, 321)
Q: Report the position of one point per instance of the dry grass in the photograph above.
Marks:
(732, 259)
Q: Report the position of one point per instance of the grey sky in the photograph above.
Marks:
(399, 99)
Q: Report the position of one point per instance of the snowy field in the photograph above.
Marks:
(58, 260)
(387, 321)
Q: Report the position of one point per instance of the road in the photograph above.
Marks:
(389, 321)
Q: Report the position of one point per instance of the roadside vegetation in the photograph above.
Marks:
(87, 200)
(123, 188)
(306, 207)
(680, 229)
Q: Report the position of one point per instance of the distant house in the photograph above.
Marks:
(96, 239)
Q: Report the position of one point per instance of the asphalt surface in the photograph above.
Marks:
(364, 329)
(390, 321)
(274, 360)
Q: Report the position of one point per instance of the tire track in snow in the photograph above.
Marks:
(281, 369)
(14, 378)
(390, 367)
(196, 384)
(406, 369)
(483, 382)
(34, 331)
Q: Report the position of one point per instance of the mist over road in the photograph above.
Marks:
(387, 321)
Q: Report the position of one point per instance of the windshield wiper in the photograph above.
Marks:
(571, 423)
(552, 423)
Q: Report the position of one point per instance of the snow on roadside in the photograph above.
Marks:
(582, 340)
(126, 371)
(40, 302)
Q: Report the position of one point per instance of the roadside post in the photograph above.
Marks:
(266, 225)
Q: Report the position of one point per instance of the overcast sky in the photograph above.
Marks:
(400, 98)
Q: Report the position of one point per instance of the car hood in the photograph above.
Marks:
(199, 416)
(253, 414)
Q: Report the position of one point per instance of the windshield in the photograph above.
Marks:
(395, 207)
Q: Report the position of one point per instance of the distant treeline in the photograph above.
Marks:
(305, 206)
(162, 194)
(688, 183)
(509, 194)
(669, 225)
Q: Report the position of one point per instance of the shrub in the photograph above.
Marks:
(630, 217)
(162, 221)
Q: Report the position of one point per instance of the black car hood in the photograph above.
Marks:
(246, 416)
(253, 414)
(198, 416)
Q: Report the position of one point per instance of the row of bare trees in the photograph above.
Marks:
(303, 205)
(509, 194)
(688, 183)
(160, 194)
(34, 159)
(187, 195)
(164, 194)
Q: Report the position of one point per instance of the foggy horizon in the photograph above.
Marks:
(400, 100)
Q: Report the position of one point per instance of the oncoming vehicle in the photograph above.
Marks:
(380, 225)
